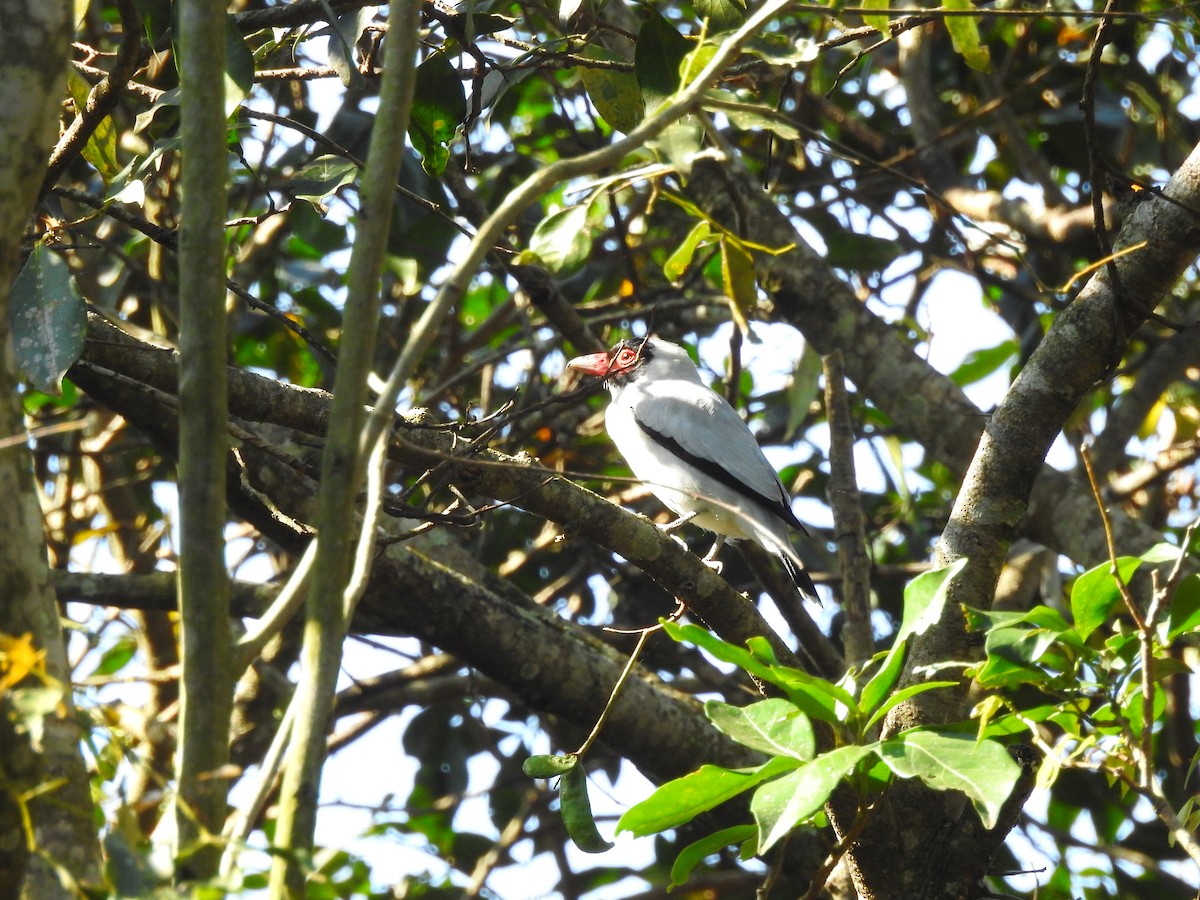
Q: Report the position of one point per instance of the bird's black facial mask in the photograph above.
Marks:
(625, 359)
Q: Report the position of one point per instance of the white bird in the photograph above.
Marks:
(693, 450)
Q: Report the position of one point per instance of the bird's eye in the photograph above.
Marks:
(626, 357)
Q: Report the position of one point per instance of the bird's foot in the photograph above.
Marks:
(677, 523)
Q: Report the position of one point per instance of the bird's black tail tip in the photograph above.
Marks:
(802, 579)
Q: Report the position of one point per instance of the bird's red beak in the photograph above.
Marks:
(592, 364)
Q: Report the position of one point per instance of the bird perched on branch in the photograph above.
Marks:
(693, 450)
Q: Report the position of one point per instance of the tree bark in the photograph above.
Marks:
(48, 766)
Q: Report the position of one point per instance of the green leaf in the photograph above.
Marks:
(48, 319)
(694, 854)
(983, 770)
(677, 263)
(880, 684)
(803, 389)
(781, 50)
(321, 179)
(615, 93)
(549, 765)
(116, 657)
(979, 364)
(439, 106)
(562, 241)
(1161, 552)
(738, 281)
(964, 34)
(101, 148)
(904, 694)
(1185, 608)
(659, 52)
(722, 15)
(239, 67)
(860, 252)
(343, 36)
(816, 697)
(773, 726)
(781, 805)
(679, 143)
(576, 810)
(755, 117)
(726, 652)
(681, 800)
(1095, 593)
(924, 598)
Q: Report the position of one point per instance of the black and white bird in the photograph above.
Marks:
(693, 450)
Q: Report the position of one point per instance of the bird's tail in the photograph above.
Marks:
(803, 580)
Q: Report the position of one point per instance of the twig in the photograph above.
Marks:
(1130, 603)
(845, 500)
(612, 698)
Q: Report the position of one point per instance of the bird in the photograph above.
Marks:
(692, 449)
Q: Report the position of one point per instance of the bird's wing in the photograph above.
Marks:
(702, 429)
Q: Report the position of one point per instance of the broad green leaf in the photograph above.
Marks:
(677, 263)
(803, 389)
(549, 765)
(1044, 617)
(679, 143)
(101, 148)
(722, 15)
(773, 726)
(1185, 608)
(964, 34)
(756, 117)
(979, 364)
(239, 67)
(1161, 552)
(577, 812)
(321, 179)
(1095, 593)
(166, 103)
(879, 21)
(726, 652)
(781, 805)
(684, 798)
(116, 657)
(845, 249)
(816, 697)
(739, 282)
(439, 106)
(924, 598)
(615, 93)
(656, 59)
(983, 770)
(880, 684)
(48, 319)
(781, 50)
(343, 36)
(1132, 705)
(694, 854)
(905, 693)
(561, 242)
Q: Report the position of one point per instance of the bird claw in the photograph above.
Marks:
(715, 564)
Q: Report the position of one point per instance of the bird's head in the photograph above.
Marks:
(621, 363)
(651, 358)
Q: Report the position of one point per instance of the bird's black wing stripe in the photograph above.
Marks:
(713, 469)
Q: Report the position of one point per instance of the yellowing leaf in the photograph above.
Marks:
(964, 34)
(737, 277)
(18, 657)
